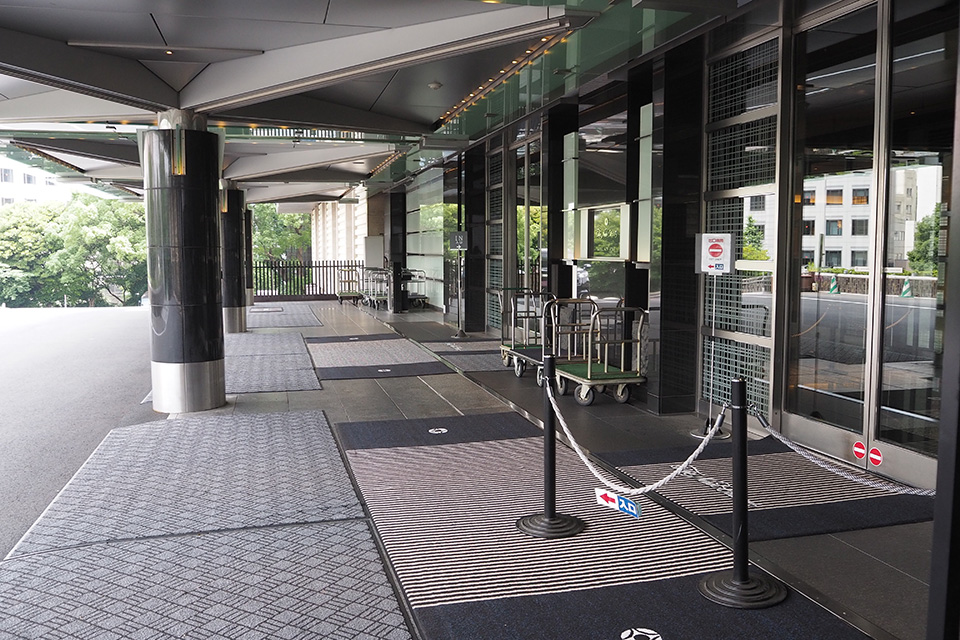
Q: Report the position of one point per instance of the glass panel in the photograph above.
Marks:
(835, 115)
(922, 116)
(522, 241)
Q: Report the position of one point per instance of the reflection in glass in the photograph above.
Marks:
(922, 135)
(835, 115)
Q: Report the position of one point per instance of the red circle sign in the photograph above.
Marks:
(715, 250)
(876, 457)
(859, 450)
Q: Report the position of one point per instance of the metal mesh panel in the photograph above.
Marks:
(496, 239)
(735, 301)
(495, 273)
(496, 169)
(496, 204)
(734, 360)
(744, 81)
(743, 155)
(494, 317)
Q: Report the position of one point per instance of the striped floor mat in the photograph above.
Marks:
(447, 513)
(344, 359)
(788, 494)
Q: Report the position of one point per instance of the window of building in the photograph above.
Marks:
(859, 227)
(6, 201)
(809, 197)
(49, 181)
(858, 258)
(832, 258)
(29, 179)
(6, 175)
(834, 227)
(758, 203)
(861, 196)
(806, 257)
(809, 227)
(909, 191)
(834, 197)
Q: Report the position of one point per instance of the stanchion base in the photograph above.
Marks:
(719, 435)
(459, 334)
(758, 592)
(560, 526)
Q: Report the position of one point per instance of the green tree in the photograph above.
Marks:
(753, 241)
(280, 236)
(28, 237)
(926, 243)
(103, 259)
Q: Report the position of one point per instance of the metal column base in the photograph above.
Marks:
(249, 293)
(185, 387)
(559, 526)
(758, 592)
(234, 319)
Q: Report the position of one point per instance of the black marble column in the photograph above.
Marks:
(234, 247)
(181, 180)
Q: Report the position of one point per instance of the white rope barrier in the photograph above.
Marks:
(884, 485)
(630, 491)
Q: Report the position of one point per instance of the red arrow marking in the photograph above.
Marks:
(606, 498)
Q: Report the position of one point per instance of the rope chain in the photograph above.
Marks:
(885, 485)
(630, 491)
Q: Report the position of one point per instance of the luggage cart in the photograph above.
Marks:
(348, 285)
(414, 281)
(522, 330)
(376, 286)
(592, 352)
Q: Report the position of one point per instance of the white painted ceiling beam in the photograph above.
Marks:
(291, 70)
(57, 64)
(59, 105)
(302, 111)
(280, 192)
(250, 167)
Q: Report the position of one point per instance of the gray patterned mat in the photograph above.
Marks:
(463, 346)
(308, 581)
(261, 373)
(200, 474)
(367, 353)
(290, 314)
(262, 344)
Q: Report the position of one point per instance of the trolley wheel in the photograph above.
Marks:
(622, 393)
(600, 388)
(539, 376)
(505, 358)
(519, 366)
(584, 395)
(561, 386)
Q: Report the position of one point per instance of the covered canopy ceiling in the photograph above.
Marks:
(312, 96)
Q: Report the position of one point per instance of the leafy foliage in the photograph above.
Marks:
(86, 251)
(280, 236)
(924, 257)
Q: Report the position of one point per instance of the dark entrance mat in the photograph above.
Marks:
(425, 331)
(789, 495)
(383, 371)
(434, 431)
(670, 609)
(360, 338)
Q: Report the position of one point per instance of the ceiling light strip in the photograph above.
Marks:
(514, 67)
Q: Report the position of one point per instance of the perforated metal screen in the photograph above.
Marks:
(743, 155)
(726, 360)
(743, 82)
(740, 155)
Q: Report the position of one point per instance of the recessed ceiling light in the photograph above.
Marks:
(168, 52)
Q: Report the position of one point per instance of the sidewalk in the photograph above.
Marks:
(246, 522)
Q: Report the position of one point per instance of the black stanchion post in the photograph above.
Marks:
(550, 524)
(737, 588)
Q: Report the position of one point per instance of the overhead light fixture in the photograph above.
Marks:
(435, 85)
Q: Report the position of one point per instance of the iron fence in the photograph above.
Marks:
(285, 279)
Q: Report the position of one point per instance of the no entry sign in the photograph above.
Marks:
(716, 252)
(876, 457)
(859, 450)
